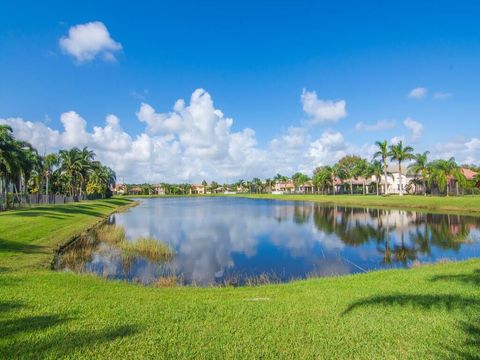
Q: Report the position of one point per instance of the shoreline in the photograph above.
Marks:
(462, 205)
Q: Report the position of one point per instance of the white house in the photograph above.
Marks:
(393, 180)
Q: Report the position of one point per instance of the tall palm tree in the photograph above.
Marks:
(71, 167)
(422, 168)
(400, 153)
(8, 158)
(376, 169)
(49, 162)
(382, 153)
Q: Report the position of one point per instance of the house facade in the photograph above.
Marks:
(119, 189)
(397, 180)
(198, 189)
(282, 187)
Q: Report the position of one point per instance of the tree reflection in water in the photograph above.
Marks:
(417, 232)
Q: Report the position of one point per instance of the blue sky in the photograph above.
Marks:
(253, 59)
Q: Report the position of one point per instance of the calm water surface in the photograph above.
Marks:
(234, 240)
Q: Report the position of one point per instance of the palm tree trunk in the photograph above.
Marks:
(377, 187)
(46, 190)
(385, 191)
(401, 180)
(424, 187)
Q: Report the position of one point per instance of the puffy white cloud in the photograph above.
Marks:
(464, 150)
(75, 129)
(87, 41)
(396, 139)
(322, 111)
(38, 134)
(378, 126)
(418, 93)
(415, 128)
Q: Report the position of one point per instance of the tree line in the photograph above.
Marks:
(72, 172)
(431, 176)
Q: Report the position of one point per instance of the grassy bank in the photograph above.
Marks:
(426, 312)
(29, 237)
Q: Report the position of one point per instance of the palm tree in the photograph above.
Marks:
(383, 154)
(421, 167)
(71, 167)
(49, 162)
(322, 177)
(443, 171)
(299, 179)
(8, 158)
(400, 153)
(376, 169)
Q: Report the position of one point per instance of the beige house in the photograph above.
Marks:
(119, 189)
(282, 187)
(197, 189)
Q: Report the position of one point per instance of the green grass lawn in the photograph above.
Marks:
(426, 312)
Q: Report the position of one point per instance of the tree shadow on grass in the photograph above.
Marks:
(39, 336)
(15, 246)
(59, 212)
(468, 306)
(6, 306)
(448, 302)
(471, 279)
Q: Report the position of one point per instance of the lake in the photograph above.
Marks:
(237, 241)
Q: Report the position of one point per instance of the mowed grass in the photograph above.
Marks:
(29, 237)
(426, 312)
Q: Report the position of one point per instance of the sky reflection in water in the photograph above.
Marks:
(221, 240)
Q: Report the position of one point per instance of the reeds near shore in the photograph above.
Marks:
(148, 248)
(151, 249)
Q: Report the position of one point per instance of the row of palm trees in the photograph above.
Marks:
(73, 172)
(436, 174)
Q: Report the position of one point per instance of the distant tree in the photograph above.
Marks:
(49, 162)
(400, 154)
(422, 168)
(299, 179)
(349, 166)
(445, 170)
(382, 153)
(322, 178)
(376, 169)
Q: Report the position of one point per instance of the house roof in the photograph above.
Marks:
(469, 174)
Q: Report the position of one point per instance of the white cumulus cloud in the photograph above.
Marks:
(322, 111)
(415, 128)
(87, 41)
(418, 93)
